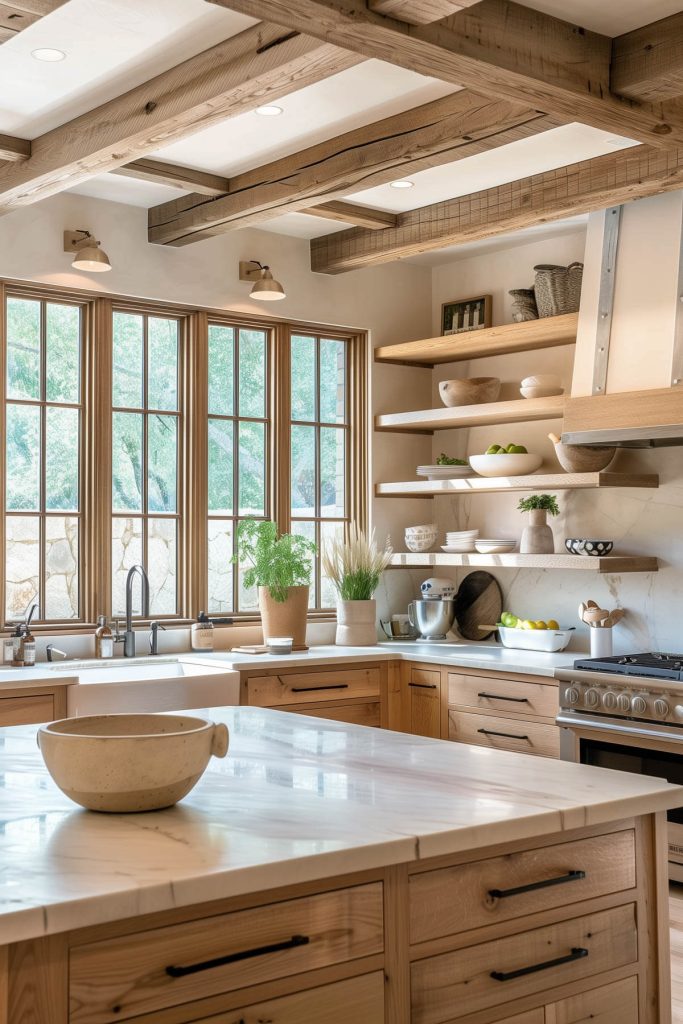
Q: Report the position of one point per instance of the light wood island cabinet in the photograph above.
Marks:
(29, 706)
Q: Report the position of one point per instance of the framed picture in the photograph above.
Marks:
(463, 315)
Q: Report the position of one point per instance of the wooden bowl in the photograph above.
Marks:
(124, 763)
(469, 391)
(579, 458)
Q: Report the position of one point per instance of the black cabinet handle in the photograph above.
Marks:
(232, 958)
(578, 953)
(498, 696)
(425, 686)
(310, 689)
(571, 876)
(507, 735)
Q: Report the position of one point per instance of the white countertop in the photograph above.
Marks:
(296, 799)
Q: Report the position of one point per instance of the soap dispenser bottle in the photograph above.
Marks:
(104, 638)
(201, 634)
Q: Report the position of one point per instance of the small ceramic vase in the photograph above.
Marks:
(537, 537)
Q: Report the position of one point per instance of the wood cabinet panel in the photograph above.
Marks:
(455, 899)
(525, 736)
(33, 708)
(355, 999)
(536, 1016)
(512, 696)
(609, 1004)
(354, 714)
(123, 977)
(313, 685)
(424, 702)
(451, 985)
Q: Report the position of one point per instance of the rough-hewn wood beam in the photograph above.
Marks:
(352, 213)
(19, 14)
(647, 63)
(579, 188)
(497, 47)
(433, 134)
(162, 173)
(419, 12)
(234, 76)
(13, 149)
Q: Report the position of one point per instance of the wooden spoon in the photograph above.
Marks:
(582, 611)
(615, 616)
(594, 616)
(554, 438)
(592, 604)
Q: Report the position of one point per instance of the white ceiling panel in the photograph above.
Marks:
(302, 225)
(555, 148)
(111, 46)
(127, 190)
(357, 96)
(611, 17)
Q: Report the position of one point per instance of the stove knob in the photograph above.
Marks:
(609, 700)
(572, 695)
(624, 702)
(591, 698)
(661, 708)
(638, 705)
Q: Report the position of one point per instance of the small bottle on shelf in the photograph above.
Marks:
(17, 651)
(28, 647)
(201, 634)
(104, 638)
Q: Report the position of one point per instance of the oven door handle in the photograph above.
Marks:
(598, 723)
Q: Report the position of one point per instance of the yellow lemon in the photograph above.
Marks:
(528, 624)
(553, 624)
(541, 624)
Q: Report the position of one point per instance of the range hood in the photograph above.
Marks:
(627, 387)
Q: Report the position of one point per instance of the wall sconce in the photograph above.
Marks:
(265, 286)
(88, 255)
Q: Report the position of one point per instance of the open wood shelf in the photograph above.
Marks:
(547, 332)
(515, 411)
(532, 482)
(599, 564)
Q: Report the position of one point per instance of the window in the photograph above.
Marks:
(142, 433)
(42, 458)
(238, 441)
(145, 421)
(319, 444)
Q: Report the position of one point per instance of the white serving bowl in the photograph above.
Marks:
(505, 465)
(458, 549)
(549, 640)
(456, 535)
(124, 763)
(419, 544)
(493, 546)
(541, 385)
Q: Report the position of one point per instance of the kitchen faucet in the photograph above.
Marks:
(51, 650)
(129, 635)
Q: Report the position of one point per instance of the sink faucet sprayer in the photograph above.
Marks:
(128, 637)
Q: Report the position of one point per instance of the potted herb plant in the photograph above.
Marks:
(537, 537)
(354, 565)
(281, 569)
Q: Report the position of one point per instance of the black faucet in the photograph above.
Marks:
(154, 628)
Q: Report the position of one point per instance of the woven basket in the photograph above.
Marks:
(523, 304)
(558, 289)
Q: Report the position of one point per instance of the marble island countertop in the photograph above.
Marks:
(296, 799)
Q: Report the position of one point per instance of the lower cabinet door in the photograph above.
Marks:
(352, 714)
(359, 1000)
(610, 1004)
(526, 736)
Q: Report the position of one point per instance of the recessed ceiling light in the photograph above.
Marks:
(268, 110)
(49, 55)
(401, 183)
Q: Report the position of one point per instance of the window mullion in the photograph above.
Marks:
(281, 434)
(193, 467)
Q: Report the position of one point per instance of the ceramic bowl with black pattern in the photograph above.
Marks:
(581, 546)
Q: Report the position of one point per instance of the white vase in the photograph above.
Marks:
(537, 537)
(356, 623)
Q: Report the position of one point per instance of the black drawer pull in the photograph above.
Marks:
(507, 735)
(498, 696)
(310, 689)
(425, 686)
(232, 958)
(578, 953)
(571, 876)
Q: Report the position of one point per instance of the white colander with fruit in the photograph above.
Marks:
(532, 634)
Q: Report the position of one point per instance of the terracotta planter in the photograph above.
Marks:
(356, 623)
(537, 537)
(284, 618)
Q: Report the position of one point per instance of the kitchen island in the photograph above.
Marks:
(326, 873)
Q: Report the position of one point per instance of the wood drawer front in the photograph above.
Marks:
(353, 714)
(528, 737)
(536, 1016)
(455, 899)
(427, 677)
(610, 1004)
(300, 687)
(510, 695)
(120, 978)
(454, 984)
(26, 710)
(356, 999)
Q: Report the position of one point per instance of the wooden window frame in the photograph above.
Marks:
(95, 482)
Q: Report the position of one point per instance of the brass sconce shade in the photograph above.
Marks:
(265, 287)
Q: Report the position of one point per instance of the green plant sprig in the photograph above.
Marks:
(355, 565)
(275, 562)
(548, 502)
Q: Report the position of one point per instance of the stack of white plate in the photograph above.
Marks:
(495, 545)
(459, 542)
(444, 472)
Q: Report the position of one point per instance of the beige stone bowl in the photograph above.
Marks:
(126, 763)
(469, 391)
(579, 458)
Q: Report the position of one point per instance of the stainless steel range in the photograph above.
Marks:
(627, 713)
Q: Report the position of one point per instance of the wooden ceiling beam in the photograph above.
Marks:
(431, 135)
(352, 213)
(260, 64)
(418, 12)
(497, 47)
(18, 15)
(201, 182)
(14, 150)
(647, 63)
(578, 188)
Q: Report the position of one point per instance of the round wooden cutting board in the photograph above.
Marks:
(479, 599)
